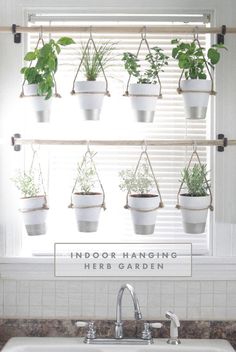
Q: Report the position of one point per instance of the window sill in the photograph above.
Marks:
(203, 268)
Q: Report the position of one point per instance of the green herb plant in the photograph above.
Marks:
(194, 180)
(45, 64)
(191, 58)
(141, 183)
(86, 174)
(94, 60)
(156, 60)
(27, 183)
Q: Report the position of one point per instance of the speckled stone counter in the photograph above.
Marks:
(55, 327)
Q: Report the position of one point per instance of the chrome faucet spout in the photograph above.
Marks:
(137, 311)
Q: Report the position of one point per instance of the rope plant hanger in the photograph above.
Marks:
(212, 91)
(144, 41)
(45, 205)
(161, 205)
(40, 41)
(92, 42)
(178, 206)
(89, 155)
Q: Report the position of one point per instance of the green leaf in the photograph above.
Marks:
(213, 55)
(64, 41)
(30, 56)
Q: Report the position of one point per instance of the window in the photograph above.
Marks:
(59, 162)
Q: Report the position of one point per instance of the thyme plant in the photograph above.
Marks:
(45, 65)
(27, 183)
(194, 180)
(156, 60)
(141, 183)
(92, 60)
(191, 58)
(86, 174)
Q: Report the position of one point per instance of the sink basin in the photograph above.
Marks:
(69, 344)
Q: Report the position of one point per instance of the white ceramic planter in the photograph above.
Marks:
(87, 218)
(144, 106)
(38, 103)
(90, 104)
(194, 221)
(196, 102)
(144, 222)
(35, 220)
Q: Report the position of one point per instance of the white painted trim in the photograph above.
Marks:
(204, 268)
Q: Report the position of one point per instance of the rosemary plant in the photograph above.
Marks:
(27, 183)
(141, 183)
(194, 180)
(86, 174)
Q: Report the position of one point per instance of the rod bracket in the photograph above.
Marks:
(221, 148)
(16, 147)
(221, 36)
(17, 36)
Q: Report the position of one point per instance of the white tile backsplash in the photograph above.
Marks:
(97, 300)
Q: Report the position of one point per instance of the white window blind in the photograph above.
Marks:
(116, 123)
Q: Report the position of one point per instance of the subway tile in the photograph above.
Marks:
(219, 286)
(9, 286)
(180, 300)
(154, 312)
(48, 299)
(194, 300)
(206, 286)
(154, 287)
(101, 312)
(194, 287)
(35, 299)
(61, 298)
(9, 311)
(62, 287)
(231, 286)
(75, 286)
(180, 287)
(206, 300)
(75, 312)
(206, 313)
(23, 286)
(193, 313)
(61, 311)
(101, 287)
(49, 286)
(9, 299)
(35, 311)
(219, 313)
(36, 287)
(181, 312)
(219, 300)
(231, 300)
(22, 311)
(167, 287)
(48, 311)
(22, 299)
(231, 313)
(167, 300)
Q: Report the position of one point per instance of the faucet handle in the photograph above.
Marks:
(156, 325)
(91, 332)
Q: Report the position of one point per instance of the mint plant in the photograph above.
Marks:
(27, 183)
(156, 60)
(191, 58)
(141, 183)
(194, 180)
(45, 65)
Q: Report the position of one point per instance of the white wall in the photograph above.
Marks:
(218, 307)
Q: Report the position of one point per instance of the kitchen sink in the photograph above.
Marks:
(69, 344)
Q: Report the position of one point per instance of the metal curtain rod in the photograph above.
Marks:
(221, 142)
(115, 29)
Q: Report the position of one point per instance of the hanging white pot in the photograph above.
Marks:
(38, 103)
(34, 212)
(143, 209)
(196, 96)
(194, 212)
(87, 210)
(144, 100)
(91, 95)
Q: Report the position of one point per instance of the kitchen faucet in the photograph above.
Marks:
(174, 325)
(137, 312)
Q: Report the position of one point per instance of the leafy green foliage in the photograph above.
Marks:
(141, 183)
(43, 71)
(156, 60)
(86, 174)
(191, 58)
(93, 60)
(27, 183)
(194, 180)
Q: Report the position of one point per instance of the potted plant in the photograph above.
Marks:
(194, 203)
(145, 92)
(196, 88)
(39, 83)
(85, 200)
(33, 205)
(91, 92)
(142, 203)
